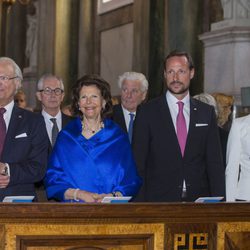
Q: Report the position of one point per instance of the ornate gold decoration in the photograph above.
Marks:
(127, 236)
(192, 241)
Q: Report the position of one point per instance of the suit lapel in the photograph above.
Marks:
(192, 122)
(15, 121)
(120, 117)
(168, 125)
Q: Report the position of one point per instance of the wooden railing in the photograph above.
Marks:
(132, 226)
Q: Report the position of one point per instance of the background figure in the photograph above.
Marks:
(50, 92)
(115, 100)
(223, 133)
(224, 106)
(20, 100)
(67, 110)
(238, 160)
(134, 87)
(176, 142)
(23, 144)
(92, 157)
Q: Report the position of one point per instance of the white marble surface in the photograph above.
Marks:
(29, 86)
(227, 60)
(236, 9)
(116, 54)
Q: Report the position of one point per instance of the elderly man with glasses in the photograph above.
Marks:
(23, 150)
(50, 92)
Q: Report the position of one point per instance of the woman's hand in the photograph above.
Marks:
(99, 197)
(86, 196)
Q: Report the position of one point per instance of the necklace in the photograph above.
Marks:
(98, 126)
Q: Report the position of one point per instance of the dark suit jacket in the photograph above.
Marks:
(65, 120)
(158, 155)
(223, 140)
(25, 150)
(118, 116)
(40, 189)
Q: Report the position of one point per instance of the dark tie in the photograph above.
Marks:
(2, 129)
(181, 128)
(130, 126)
(55, 131)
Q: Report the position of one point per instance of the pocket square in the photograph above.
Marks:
(201, 124)
(21, 135)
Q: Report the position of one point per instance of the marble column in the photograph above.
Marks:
(227, 51)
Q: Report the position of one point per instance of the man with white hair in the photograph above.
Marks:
(50, 92)
(134, 87)
(23, 144)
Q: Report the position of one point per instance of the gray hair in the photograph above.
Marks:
(16, 68)
(208, 99)
(49, 76)
(134, 76)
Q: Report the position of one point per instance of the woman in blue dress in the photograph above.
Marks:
(92, 157)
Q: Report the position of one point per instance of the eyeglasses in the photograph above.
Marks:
(7, 78)
(49, 91)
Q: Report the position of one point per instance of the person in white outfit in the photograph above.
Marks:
(238, 161)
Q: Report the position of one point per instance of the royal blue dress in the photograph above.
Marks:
(101, 164)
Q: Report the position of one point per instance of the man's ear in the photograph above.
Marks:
(192, 73)
(63, 94)
(38, 96)
(144, 95)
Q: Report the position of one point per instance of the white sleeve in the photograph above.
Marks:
(233, 160)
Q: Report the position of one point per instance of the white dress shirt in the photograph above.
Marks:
(174, 109)
(49, 123)
(127, 116)
(7, 114)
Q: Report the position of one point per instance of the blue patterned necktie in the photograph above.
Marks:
(130, 126)
(2, 129)
(55, 131)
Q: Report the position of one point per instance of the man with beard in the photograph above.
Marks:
(176, 141)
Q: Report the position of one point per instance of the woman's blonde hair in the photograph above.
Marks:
(224, 105)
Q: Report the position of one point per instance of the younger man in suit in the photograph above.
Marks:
(176, 141)
(23, 147)
(134, 87)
